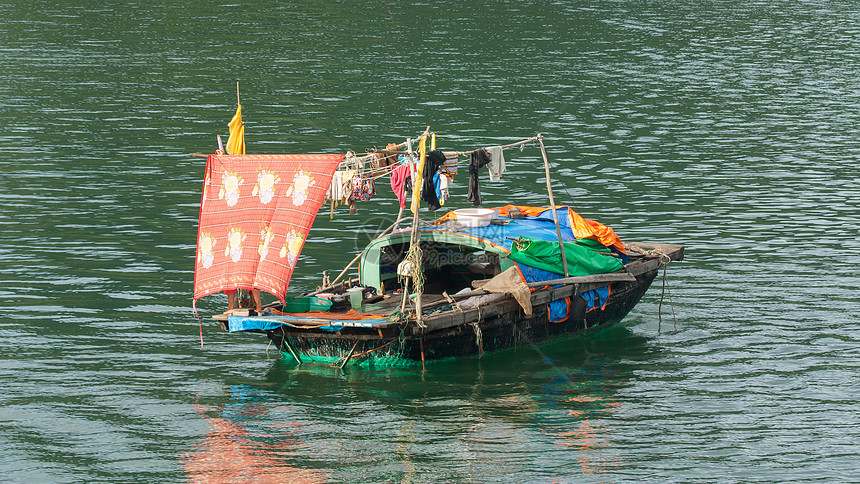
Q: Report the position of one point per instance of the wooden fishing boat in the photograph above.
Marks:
(463, 284)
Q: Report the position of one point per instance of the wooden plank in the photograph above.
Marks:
(608, 277)
(455, 318)
(648, 264)
(674, 251)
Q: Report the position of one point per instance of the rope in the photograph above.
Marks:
(363, 353)
(454, 304)
(664, 263)
(414, 273)
(522, 244)
(479, 338)
(396, 316)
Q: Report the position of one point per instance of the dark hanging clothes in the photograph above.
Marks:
(434, 160)
(477, 160)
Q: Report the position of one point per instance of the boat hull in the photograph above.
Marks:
(508, 327)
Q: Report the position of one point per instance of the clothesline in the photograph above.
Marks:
(458, 153)
(491, 156)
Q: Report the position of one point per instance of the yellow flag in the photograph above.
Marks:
(236, 143)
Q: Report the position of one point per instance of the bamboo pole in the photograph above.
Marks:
(399, 217)
(410, 165)
(511, 145)
(504, 147)
(289, 347)
(346, 360)
(552, 203)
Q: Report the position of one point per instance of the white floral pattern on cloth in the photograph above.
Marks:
(234, 244)
(292, 247)
(265, 186)
(299, 188)
(266, 237)
(230, 183)
(206, 253)
(207, 184)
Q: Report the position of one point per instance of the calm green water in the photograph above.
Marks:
(729, 126)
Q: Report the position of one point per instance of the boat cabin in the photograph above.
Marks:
(450, 261)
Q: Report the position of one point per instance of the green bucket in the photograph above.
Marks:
(305, 304)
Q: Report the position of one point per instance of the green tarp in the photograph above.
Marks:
(584, 256)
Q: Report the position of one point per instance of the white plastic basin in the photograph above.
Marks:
(474, 217)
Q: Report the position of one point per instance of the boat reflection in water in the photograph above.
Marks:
(497, 416)
(243, 444)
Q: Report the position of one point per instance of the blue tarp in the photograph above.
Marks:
(540, 227)
(264, 323)
(269, 322)
(560, 310)
(537, 228)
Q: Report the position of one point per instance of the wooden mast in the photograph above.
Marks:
(552, 203)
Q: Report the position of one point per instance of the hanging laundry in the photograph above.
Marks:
(497, 163)
(346, 186)
(409, 184)
(382, 160)
(433, 161)
(478, 160)
(335, 190)
(444, 181)
(399, 177)
(450, 165)
(363, 188)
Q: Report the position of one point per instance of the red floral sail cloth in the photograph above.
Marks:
(255, 214)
